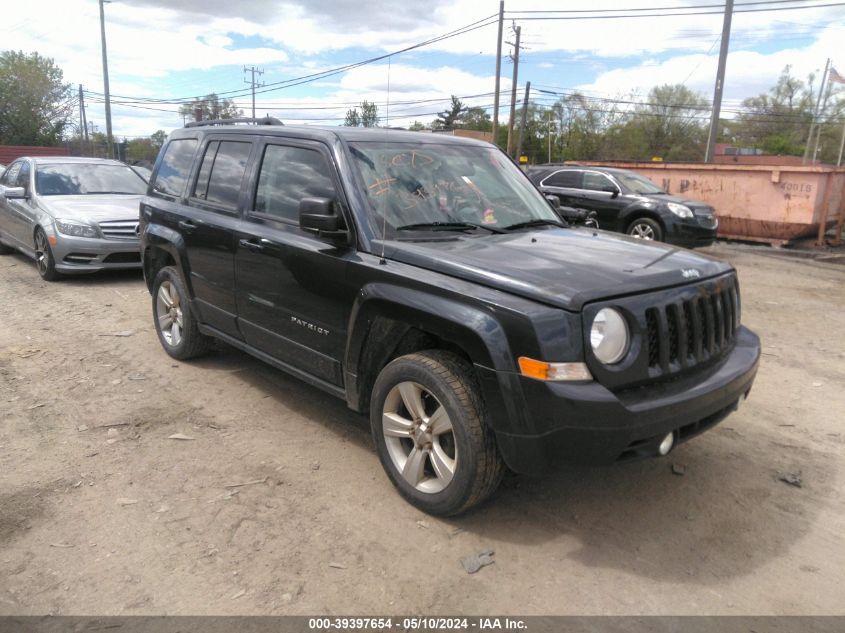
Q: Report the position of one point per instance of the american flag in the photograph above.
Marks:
(835, 76)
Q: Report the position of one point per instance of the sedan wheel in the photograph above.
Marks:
(44, 257)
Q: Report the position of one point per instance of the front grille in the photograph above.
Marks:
(695, 330)
(119, 229)
(674, 331)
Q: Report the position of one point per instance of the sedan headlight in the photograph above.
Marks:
(609, 336)
(76, 229)
(681, 210)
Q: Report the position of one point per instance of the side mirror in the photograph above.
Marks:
(554, 201)
(317, 215)
(612, 190)
(15, 193)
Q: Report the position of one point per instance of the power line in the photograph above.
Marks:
(665, 15)
(663, 8)
(296, 81)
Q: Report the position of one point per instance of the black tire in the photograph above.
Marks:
(444, 380)
(646, 229)
(45, 263)
(190, 342)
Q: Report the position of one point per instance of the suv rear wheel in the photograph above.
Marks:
(175, 324)
(428, 426)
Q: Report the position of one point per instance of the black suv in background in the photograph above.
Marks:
(627, 202)
(424, 280)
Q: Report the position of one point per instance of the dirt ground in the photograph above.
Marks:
(277, 504)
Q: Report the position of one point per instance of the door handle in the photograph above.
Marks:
(251, 245)
(187, 226)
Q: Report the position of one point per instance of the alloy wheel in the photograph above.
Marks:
(419, 438)
(642, 232)
(42, 253)
(169, 313)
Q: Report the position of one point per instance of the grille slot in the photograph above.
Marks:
(119, 229)
(653, 337)
(691, 331)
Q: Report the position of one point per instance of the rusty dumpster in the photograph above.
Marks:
(768, 203)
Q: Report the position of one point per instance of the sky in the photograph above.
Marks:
(163, 52)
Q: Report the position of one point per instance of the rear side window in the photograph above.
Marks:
(289, 174)
(175, 167)
(569, 178)
(222, 172)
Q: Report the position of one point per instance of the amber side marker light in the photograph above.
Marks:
(541, 370)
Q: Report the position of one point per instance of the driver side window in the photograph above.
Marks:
(596, 182)
(11, 176)
(289, 174)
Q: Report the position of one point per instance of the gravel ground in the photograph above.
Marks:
(277, 503)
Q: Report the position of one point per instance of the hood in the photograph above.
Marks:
(93, 207)
(562, 267)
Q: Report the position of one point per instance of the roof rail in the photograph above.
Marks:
(267, 120)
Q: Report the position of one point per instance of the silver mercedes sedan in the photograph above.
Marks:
(71, 215)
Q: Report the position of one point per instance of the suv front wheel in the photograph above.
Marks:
(175, 324)
(427, 423)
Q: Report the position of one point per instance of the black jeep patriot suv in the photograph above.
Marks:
(425, 280)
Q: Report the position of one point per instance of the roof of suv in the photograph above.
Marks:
(325, 133)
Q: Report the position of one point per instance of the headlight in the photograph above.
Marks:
(76, 229)
(681, 210)
(609, 336)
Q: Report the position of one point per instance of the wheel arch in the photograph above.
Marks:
(635, 214)
(391, 321)
(163, 247)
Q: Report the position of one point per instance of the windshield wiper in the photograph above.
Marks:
(537, 222)
(447, 226)
(127, 193)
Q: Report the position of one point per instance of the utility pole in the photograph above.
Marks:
(252, 84)
(522, 120)
(821, 115)
(513, 91)
(110, 152)
(498, 70)
(550, 136)
(816, 113)
(81, 111)
(720, 81)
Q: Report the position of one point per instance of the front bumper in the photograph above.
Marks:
(564, 423)
(690, 233)
(88, 254)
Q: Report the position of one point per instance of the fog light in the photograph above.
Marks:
(667, 444)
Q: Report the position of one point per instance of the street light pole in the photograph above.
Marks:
(106, 81)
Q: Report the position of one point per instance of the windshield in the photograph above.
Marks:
(423, 187)
(73, 179)
(636, 183)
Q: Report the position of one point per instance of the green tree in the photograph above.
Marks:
(416, 126)
(35, 103)
(476, 119)
(367, 117)
(671, 124)
(451, 115)
(211, 107)
(777, 121)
